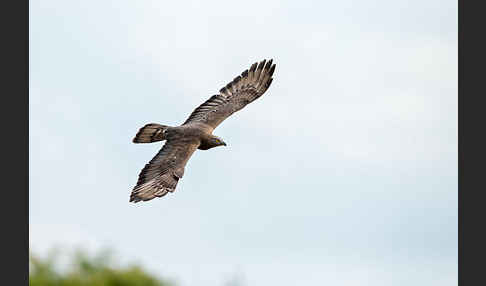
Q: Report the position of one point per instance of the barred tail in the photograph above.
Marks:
(151, 132)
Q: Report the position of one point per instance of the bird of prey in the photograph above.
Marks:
(161, 174)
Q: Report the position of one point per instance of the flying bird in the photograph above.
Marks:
(161, 175)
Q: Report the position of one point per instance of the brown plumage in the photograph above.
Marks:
(161, 174)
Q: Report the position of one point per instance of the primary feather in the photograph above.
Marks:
(235, 95)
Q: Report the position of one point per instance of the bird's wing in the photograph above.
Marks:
(245, 88)
(162, 173)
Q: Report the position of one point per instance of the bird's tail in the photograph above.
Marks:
(151, 132)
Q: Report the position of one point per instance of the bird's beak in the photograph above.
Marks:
(223, 143)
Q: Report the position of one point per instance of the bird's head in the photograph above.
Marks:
(216, 141)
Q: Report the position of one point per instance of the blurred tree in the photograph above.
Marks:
(88, 271)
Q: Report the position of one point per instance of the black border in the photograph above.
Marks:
(15, 123)
(460, 154)
(471, 121)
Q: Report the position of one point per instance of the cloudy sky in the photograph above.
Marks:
(343, 173)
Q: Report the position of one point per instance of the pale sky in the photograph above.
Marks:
(343, 173)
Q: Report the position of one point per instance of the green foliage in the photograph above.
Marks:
(88, 271)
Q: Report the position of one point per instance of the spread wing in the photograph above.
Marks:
(245, 88)
(162, 173)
